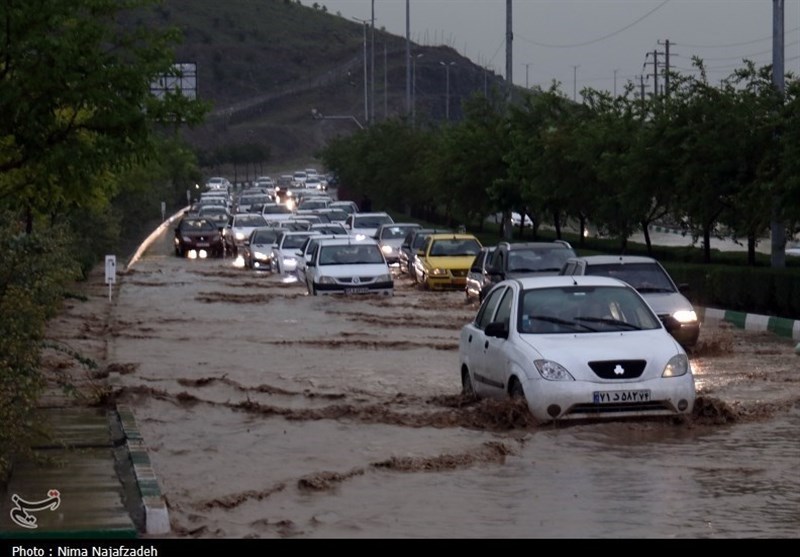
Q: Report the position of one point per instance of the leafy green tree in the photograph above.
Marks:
(75, 99)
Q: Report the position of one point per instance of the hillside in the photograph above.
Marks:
(264, 65)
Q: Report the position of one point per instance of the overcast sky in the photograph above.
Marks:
(591, 43)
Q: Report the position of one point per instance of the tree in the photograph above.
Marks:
(75, 99)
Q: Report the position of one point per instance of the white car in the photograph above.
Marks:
(366, 224)
(239, 228)
(284, 252)
(575, 348)
(390, 237)
(348, 266)
(304, 252)
(258, 248)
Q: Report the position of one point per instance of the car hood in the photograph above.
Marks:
(366, 270)
(451, 261)
(667, 303)
(573, 351)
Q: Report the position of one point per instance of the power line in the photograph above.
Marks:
(745, 43)
(597, 40)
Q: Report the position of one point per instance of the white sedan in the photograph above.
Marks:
(348, 266)
(578, 347)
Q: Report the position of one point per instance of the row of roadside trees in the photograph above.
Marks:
(713, 159)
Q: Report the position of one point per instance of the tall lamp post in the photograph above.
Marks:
(447, 87)
(366, 77)
(414, 88)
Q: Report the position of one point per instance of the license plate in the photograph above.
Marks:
(203, 244)
(615, 397)
(359, 290)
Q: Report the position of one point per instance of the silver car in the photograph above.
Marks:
(652, 281)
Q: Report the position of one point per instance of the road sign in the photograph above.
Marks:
(111, 269)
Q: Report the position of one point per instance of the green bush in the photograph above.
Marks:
(34, 272)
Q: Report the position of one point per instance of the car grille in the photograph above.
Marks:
(355, 280)
(459, 272)
(618, 369)
(653, 406)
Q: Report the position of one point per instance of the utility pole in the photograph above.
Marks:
(655, 73)
(575, 83)
(641, 86)
(447, 88)
(372, 67)
(526, 76)
(385, 83)
(509, 50)
(366, 78)
(777, 230)
(615, 83)
(408, 58)
(666, 66)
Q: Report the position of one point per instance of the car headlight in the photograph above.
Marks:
(187, 239)
(289, 262)
(439, 272)
(327, 280)
(383, 278)
(386, 249)
(676, 366)
(552, 371)
(685, 316)
(260, 255)
(240, 236)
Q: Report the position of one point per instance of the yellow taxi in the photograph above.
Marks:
(445, 259)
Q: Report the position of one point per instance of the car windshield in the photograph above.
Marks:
(537, 259)
(584, 309)
(394, 232)
(644, 277)
(371, 221)
(264, 237)
(249, 221)
(276, 209)
(293, 241)
(350, 254)
(197, 225)
(455, 247)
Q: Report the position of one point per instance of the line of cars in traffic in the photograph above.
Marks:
(576, 338)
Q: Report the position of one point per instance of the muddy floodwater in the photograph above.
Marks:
(269, 413)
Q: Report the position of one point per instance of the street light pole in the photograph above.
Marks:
(447, 95)
(366, 87)
(575, 82)
(414, 88)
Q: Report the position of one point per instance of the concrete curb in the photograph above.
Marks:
(753, 322)
(155, 507)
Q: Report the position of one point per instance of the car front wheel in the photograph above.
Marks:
(515, 389)
(466, 385)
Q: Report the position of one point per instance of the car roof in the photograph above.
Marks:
(452, 236)
(347, 240)
(570, 280)
(612, 259)
(532, 245)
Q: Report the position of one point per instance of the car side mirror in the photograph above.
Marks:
(311, 264)
(420, 253)
(498, 329)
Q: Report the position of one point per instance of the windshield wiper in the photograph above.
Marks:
(559, 321)
(609, 321)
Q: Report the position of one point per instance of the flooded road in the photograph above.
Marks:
(269, 413)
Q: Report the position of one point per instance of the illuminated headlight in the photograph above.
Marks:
(260, 255)
(289, 263)
(387, 250)
(327, 280)
(439, 272)
(240, 236)
(685, 316)
(678, 365)
(187, 239)
(552, 371)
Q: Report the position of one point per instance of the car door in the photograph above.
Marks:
(478, 343)
(495, 355)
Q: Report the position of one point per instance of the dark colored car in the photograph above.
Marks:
(478, 275)
(198, 237)
(411, 244)
(524, 259)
